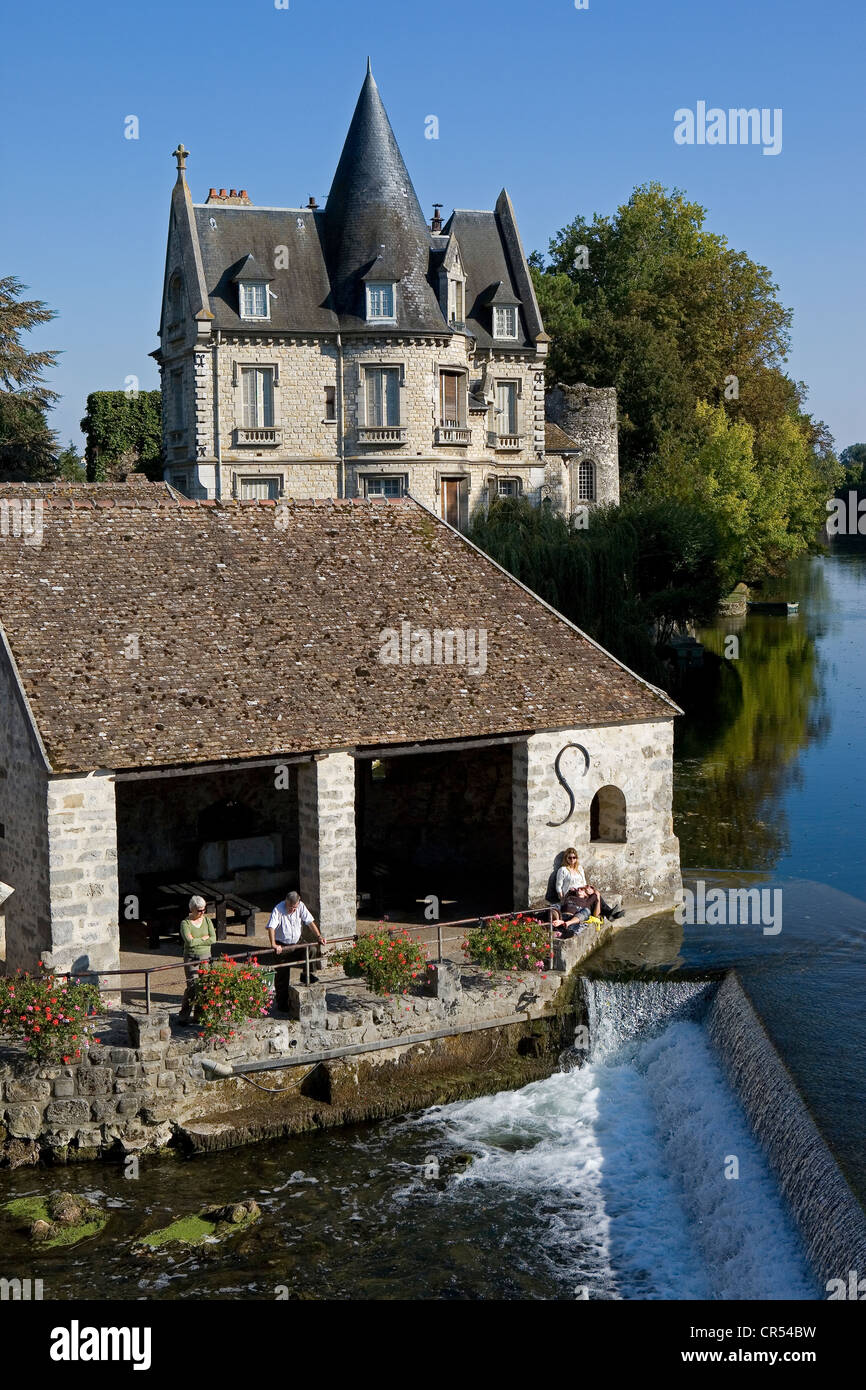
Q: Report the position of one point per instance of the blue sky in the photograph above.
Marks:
(568, 108)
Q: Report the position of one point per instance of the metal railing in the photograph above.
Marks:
(308, 947)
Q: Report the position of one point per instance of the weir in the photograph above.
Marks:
(829, 1219)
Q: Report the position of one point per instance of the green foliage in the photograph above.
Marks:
(676, 320)
(27, 443)
(853, 460)
(70, 465)
(60, 1220)
(124, 434)
(226, 993)
(390, 961)
(510, 943)
(634, 575)
(48, 1015)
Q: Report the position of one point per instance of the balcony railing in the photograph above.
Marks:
(512, 442)
(265, 435)
(382, 434)
(453, 434)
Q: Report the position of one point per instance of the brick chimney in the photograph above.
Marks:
(436, 223)
(229, 198)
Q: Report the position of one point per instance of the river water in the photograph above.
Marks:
(611, 1179)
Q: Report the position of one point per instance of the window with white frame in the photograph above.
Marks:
(257, 387)
(508, 487)
(384, 486)
(458, 305)
(506, 407)
(586, 481)
(259, 489)
(254, 299)
(505, 321)
(452, 399)
(381, 302)
(382, 395)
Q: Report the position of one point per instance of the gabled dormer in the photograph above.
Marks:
(381, 282)
(254, 300)
(452, 285)
(504, 309)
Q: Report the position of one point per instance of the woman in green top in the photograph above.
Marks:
(198, 933)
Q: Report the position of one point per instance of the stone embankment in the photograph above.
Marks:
(341, 1056)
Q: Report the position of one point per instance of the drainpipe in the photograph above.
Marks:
(216, 413)
(341, 422)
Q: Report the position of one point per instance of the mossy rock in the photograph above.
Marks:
(208, 1227)
(61, 1219)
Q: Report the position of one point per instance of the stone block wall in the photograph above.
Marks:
(635, 758)
(82, 850)
(326, 818)
(25, 917)
(589, 415)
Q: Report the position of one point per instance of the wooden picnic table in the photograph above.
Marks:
(181, 890)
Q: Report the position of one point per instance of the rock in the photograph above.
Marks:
(67, 1210)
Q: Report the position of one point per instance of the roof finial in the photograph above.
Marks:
(180, 155)
(369, 67)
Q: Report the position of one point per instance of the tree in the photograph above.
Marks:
(70, 465)
(27, 443)
(853, 460)
(124, 433)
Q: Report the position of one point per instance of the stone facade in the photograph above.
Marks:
(25, 927)
(313, 456)
(82, 849)
(634, 759)
(588, 414)
(326, 815)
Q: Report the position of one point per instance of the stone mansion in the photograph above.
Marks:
(355, 351)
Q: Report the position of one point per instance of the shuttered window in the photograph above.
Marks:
(260, 489)
(383, 396)
(452, 398)
(258, 397)
(506, 407)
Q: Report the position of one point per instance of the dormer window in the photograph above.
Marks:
(458, 310)
(505, 322)
(381, 302)
(254, 299)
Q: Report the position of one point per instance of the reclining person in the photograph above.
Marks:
(577, 898)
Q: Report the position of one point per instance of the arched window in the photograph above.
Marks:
(175, 297)
(586, 481)
(607, 816)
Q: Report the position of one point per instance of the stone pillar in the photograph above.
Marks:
(326, 824)
(530, 803)
(82, 860)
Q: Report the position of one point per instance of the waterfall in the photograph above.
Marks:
(619, 1011)
(831, 1220)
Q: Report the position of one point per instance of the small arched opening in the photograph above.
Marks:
(607, 816)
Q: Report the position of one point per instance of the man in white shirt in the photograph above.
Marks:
(285, 929)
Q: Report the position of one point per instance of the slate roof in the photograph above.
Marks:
(258, 640)
(372, 210)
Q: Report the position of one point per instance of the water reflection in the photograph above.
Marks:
(747, 721)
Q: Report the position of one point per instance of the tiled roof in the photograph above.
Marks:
(556, 441)
(258, 633)
(135, 488)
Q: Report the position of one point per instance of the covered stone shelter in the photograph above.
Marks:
(309, 692)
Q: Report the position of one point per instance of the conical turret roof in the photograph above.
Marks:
(373, 211)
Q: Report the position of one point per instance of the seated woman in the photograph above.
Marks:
(577, 898)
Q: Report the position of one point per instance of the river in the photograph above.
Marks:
(609, 1180)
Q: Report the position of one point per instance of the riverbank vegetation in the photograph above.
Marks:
(724, 474)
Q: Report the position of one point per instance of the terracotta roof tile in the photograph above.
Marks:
(259, 634)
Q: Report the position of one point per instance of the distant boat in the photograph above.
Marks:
(779, 607)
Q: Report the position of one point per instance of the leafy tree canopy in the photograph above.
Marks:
(853, 460)
(124, 434)
(27, 443)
